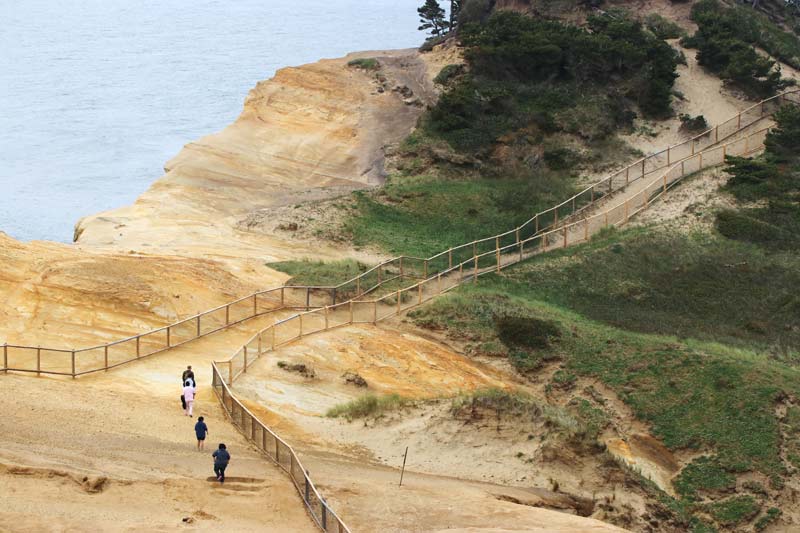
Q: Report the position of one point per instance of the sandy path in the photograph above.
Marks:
(359, 475)
(125, 433)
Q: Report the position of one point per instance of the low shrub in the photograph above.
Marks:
(368, 405)
(735, 510)
(663, 28)
(365, 63)
(526, 331)
(693, 124)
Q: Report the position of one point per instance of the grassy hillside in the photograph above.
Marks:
(537, 103)
(660, 320)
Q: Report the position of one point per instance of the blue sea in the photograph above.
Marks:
(96, 95)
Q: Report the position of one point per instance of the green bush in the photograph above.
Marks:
(525, 331)
(703, 474)
(734, 510)
(365, 63)
(525, 71)
(560, 158)
(368, 405)
(772, 515)
(448, 73)
(693, 124)
(663, 28)
(725, 39)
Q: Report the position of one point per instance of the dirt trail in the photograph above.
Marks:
(114, 452)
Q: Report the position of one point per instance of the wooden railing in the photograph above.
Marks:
(567, 221)
(280, 452)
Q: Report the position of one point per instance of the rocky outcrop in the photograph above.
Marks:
(309, 133)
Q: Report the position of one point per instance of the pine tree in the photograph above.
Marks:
(431, 17)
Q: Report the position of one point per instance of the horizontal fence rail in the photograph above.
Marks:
(563, 224)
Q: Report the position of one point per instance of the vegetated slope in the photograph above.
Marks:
(696, 333)
(689, 338)
(536, 102)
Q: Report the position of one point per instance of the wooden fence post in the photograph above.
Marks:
(198, 324)
(401, 268)
(565, 236)
(419, 293)
(450, 256)
(398, 301)
(138, 351)
(375, 311)
(326, 317)
(282, 297)
(39, 360)
(665, 183)
(358, 286)
(425, 269)
(105, 353)
(497, 252)
(260, 342)
(255, 304)
(476, 269)
(168, 339)
(73, 364)
(668, 154)
(739, 122)
(5, 358)
(245, 358)
(227, 314)
(351, 311)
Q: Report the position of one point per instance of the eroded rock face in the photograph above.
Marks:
(309, 133)
(56, 295)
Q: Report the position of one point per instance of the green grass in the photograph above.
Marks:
(695, 394)
(368, 405)
(700, 286)
(319, 273)
(421, 216)
(735, 510)
(366, 63)
(772, 514)
(704, 474)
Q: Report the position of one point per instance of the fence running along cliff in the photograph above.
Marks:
(565, 223)
(340, 305)
(435, 280)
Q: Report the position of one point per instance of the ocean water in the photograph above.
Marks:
(96, 95)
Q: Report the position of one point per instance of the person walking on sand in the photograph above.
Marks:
(201, 430)
(188, 374)
(188, 396)
(221, 460)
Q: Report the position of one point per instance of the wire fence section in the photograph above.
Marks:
(281, 453)
(560, 225)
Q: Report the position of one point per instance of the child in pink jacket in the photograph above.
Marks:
(188, 395)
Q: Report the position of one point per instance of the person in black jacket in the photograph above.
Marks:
(221, 460)
(188, 374)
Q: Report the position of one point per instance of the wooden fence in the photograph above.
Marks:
(565, 223)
